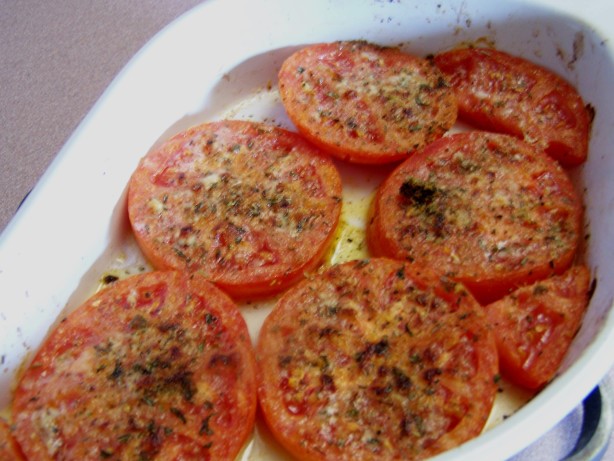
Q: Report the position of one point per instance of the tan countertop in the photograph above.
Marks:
(57, 57)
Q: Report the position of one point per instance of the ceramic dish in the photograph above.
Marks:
(220, 60)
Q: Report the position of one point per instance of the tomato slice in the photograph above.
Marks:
(535, 325)
(251, 207)
(505, 93)
(365, 103)
(486, 209)
(375, 359)
(156, 366)
(9, 450)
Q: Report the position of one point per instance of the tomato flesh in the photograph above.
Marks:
(505, 93)
(486, 209)
(250, 207)
(534, 326)
(375, 359)
(156, 366)
(365, 103)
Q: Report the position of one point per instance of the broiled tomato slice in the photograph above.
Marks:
(509, 94)
(372, 360)
(9, 450)
(487, 209)
(365, 103)
(535, 325)
(251, 207)
(156, 366)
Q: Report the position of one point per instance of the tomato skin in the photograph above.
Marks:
(534, 326)
(157, 366)
(249, 206)
(505, 93)
(9, 450)
(365, 103)
(375, 359)
(485, 209)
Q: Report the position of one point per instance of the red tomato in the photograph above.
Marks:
(375, 359)
(156, 366)
(485, 209)
(535, 325)
(365, 103)
(251, 207)
(9, 450)
(505, 93)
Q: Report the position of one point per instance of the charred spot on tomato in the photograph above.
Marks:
(421, 298)
(178, 414)
(327, 383)
(466, 165)
(402, 382)
(152, 441)
(124, 438)
(205, 428)
(103, 348)
(210, 318)
(141, 369)
(182, 380)
(448, 284)
(138, 322)
(540, 290)
(441, 83)
(412, 425)
(327, 331)
(378, 348)
(117, 372)
(181, 254)
(186, 230)
(165, 327)
(431, 375)
(382, 391)
(222, 360)
(417, 193)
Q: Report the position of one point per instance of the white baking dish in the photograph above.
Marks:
(73, 225)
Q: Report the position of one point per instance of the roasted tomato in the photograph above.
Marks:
(375, 359)
(156, 366)
(250, 207)
(366, 103)
(486, 209)
(535, 325)
(505, 93)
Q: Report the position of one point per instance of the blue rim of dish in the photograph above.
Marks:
(596, 425)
